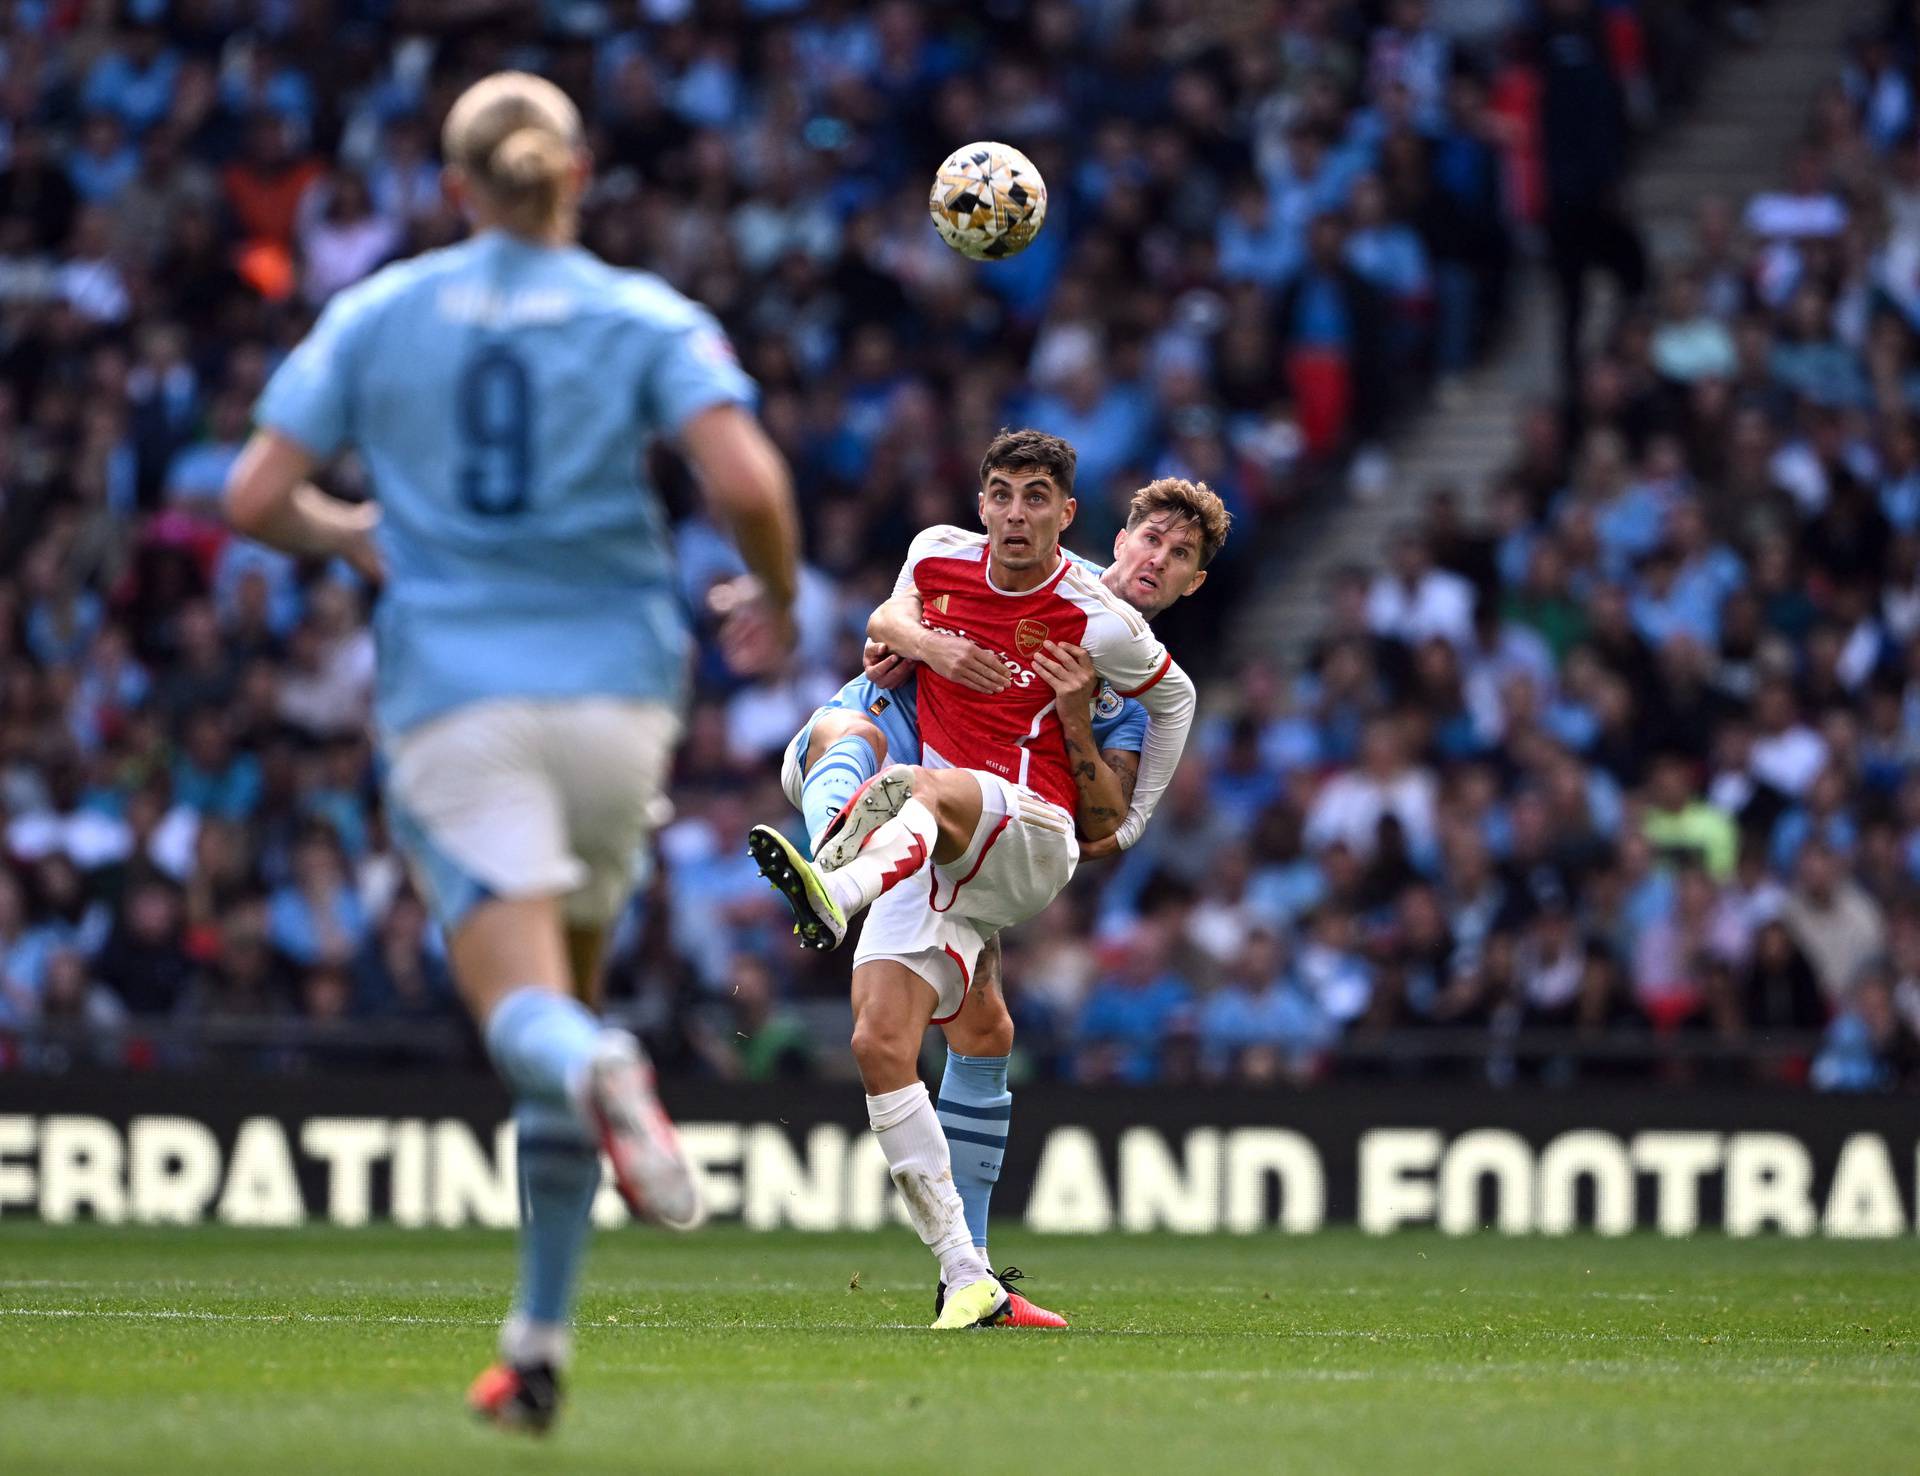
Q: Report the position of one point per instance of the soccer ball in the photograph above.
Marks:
(988, 201)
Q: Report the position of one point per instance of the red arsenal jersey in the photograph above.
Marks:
(1016, 732)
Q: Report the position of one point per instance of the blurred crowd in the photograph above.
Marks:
(1628, 759)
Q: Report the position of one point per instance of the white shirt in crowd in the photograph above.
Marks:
(1789, 761)
(1440, 603)
(1350, 808)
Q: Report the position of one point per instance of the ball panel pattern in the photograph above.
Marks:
(988, 201)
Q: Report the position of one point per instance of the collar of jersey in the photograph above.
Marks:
(986, 574)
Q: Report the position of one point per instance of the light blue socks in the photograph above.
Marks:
(559, 1175)
(974, 1108)
(830, 783)
(542, 1042)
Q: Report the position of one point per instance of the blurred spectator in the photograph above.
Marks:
(770, 1042)
(1415, 600)
(1351, 806)
(316, 918)
(267, 183)
(398, 975)
(1261, 1025)
(1332, 971)
(1330, 315)
(1585, 132)
(1833, 920)
(1682, 824)
(1671, 961)
(1778, 990)
(144, 962)
(342, 237)
(1131, 1010)
(1868, 1046)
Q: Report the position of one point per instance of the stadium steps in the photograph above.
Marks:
(1734, 140)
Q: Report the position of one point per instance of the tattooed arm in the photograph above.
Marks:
(1103, 777)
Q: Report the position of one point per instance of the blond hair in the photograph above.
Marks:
(1187, 502)
(516, 137)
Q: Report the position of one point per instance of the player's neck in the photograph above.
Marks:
(1023, 581)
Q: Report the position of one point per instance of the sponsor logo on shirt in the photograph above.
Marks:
(1016, 673)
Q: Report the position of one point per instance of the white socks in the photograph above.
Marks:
(894, 852)
(916, 1148)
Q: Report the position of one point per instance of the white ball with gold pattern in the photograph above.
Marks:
(988, 201)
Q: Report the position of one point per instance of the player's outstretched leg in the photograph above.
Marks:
(844, 751)
(935, 813)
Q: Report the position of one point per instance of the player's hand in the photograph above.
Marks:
(363, 557)
(884, 666)
(344, 529)
(756, 637)
(353, 524)
(1095, 850)
(958, 660)
(1068, 669)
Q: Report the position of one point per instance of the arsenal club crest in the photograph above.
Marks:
(1029, 636)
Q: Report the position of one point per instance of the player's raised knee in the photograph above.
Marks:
(830, 727)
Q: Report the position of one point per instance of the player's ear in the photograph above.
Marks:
(1198, 580)
(980, 507)
(1067, 512)
(1119, 541)
(453, 186)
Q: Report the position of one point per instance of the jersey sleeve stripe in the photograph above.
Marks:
(1166, 665)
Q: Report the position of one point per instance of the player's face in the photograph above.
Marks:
(1156, 562)
(1025, 512)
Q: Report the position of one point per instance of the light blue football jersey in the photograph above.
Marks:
(502, 395)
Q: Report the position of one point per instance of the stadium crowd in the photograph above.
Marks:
(1631, 761)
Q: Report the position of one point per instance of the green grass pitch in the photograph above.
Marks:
(194, 1351)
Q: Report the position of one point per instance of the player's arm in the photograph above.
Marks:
(304, 416)
(270, 499)
(1103, 779)
(1126, 652)
(896, 625)
(746, 483)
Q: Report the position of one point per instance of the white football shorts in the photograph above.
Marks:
(1022, 856)
(515, 798)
